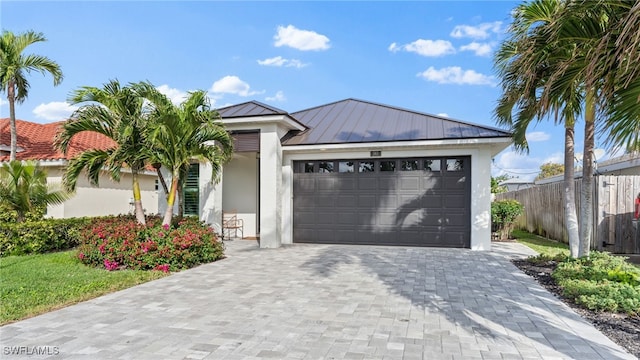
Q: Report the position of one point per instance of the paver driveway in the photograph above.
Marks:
(323, 302)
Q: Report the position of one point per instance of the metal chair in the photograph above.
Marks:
(230, 222)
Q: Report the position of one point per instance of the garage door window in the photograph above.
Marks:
(345, 166)
(308, 167)
(325, 167)
(454, 165)
(432, 165)
(387, 165)
(366, 166)
(409, 165)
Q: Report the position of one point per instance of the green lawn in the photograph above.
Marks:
(540, 244)
(35, 284)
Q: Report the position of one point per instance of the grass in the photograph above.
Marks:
(540, 244)
(35, 284)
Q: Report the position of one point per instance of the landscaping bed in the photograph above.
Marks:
(621, 327)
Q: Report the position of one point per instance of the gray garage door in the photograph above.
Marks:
(407, 201)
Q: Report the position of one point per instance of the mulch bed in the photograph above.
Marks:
(622, 329)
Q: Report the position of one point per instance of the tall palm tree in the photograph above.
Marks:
(614, 65)
(117, 112)
(608, 69)
(526, 63)
(24, 188)
(182, 134)
(14, 65)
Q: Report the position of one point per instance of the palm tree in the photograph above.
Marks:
(118, 113)
(613, 65)
(182, 134)
(14, 66)
(527, 63)
(607, 67)
(24, 189)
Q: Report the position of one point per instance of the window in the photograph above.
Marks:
(388, 165)
(325, 167)
(432, 165)
(409, 165)
(454, 165)
(366, 166)
(345, 166)
(308, 167)
(191, 191)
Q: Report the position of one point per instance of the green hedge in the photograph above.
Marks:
(41, 236)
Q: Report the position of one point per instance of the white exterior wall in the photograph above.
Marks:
(480, 181)
(109, 198)
(240, 192)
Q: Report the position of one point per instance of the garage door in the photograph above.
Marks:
(407, 201)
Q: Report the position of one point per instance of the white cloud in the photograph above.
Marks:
(481, 31)
(304, 40)
(443, 114)
(423, 47)
(455, 75)
(536, 136)
(54, 111)
(481, 49)
(521, 165)
(3, 102)
(279, 96)
(176, 96)
(231, 84)
(280, 61)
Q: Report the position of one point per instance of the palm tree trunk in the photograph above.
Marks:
(137, 199)
(171, 200)
(586, 195)
(570, 216)
(11, 97)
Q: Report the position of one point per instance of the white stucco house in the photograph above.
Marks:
(35, 142)
(352, 172)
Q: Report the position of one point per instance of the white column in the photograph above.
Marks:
(270, 187)
(210, 198)
(287, 202)
(481, 200)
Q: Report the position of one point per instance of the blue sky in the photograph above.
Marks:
(434, 57)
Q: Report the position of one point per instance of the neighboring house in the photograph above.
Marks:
(352, 172)
(35, 142)
(628, 164)
(517, 184)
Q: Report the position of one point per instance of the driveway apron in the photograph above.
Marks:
(323, 302)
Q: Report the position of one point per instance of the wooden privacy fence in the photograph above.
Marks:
(613, 209)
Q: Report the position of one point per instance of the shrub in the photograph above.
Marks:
(604, 295)
(503, 215)
(37, 237)
(601, 281)
(120, 242)
(547, 258)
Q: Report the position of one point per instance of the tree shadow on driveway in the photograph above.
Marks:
(469, 296)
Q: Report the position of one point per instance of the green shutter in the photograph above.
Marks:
(191, 191)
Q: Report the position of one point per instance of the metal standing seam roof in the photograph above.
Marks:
(250, 108)
(356, 121)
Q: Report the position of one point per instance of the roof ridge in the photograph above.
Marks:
(407, 110)
(258, 103)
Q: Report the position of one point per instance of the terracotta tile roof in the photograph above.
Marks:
(36, 140)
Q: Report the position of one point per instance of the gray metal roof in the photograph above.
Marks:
(355, 121)
(250, 108)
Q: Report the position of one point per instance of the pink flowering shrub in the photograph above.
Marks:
(119, 242)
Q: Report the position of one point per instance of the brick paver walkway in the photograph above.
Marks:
(325, 302)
